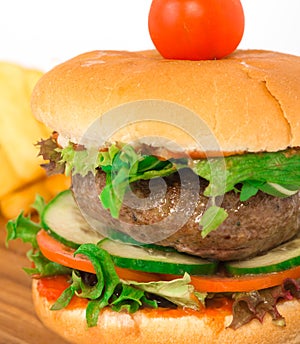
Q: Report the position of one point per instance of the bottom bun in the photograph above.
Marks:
(164, 327)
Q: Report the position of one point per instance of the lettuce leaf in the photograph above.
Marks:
(130, 299)
(26, 229)
(212, 218)
(67, 295)
(22, 228)
(281, 168)
(256, 304)
(48, 150)
(178, 291)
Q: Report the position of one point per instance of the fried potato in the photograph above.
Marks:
(21, 177)
(19, 130)
(23, 198)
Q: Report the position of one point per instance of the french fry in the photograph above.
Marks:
(19, 130)
(57, 183)
(8, 176)
(21, 177)
(21, 200)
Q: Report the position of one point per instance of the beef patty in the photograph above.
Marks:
(252, 227)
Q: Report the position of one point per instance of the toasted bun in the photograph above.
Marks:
(249, 100)
(158, 328)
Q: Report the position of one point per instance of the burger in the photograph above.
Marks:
(107, 266)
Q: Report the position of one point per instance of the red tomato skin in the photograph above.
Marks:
(196, 29)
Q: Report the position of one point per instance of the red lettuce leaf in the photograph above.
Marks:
(256, 304)
(48, 150)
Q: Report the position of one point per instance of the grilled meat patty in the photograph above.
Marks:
(252, 227)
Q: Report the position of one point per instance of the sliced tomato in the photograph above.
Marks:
(64, 255)
(245, 283)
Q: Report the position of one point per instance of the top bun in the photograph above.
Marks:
(250, 100)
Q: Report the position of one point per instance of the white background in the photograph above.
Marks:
(41, 33)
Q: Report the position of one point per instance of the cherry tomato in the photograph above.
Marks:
(196, 29)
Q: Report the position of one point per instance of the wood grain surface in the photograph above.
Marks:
(18, 322)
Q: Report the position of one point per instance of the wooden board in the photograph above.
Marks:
(18, 322)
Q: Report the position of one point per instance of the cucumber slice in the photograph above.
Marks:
(126, 239)
(283, 257)
(156, 261)
(63, 219)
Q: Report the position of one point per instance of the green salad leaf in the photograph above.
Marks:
(254, 171)
(130, 299)
(76, 159)
(67, 295)
(44, 267)
(212, 218)
(178, 291)
(24, 228)
(105, 271)
(249, 189)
